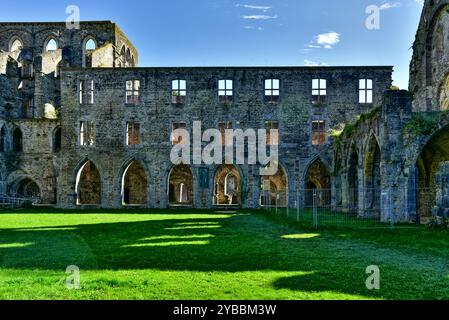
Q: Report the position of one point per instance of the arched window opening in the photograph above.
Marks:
(28, 189)
(16, 45)
(180, 186)
(2, 139)
(17, 140)
(227, 186)
(51, 45)
(57, 140)
(89, 47)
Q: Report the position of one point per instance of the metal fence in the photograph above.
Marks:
(319, 208)
(16, 201)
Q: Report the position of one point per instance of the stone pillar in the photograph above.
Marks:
(441, 207)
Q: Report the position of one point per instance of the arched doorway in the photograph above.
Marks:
(180, 186)
(353, 180)
(134, 185)
(435, 152)
(227, 184)
(318, 180)
(274, 189)
(88, 185)
(27, 188)
(372, 178)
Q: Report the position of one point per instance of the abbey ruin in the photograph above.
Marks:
(82, 126)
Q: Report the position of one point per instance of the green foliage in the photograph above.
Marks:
(185, 255)
(351, 128)
(422, 124)
(438, 223)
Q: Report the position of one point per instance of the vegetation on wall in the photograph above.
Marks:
(423, 124)
(350, 128)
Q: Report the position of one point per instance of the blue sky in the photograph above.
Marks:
(248, 33)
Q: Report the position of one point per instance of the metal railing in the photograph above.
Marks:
(16, 201)
(320, 208)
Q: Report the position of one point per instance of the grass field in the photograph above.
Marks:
(202, 255)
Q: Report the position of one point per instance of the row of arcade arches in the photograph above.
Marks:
(228, 186)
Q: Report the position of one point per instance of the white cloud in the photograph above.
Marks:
(253, 28)
(250, 6)
(328, 40)
(310, 63)
(259, 17)
(389, 5)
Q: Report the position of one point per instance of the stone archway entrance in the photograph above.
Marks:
(433, 155)
(27, 188)
(88, 185)
(134, 185)
(227, 186)
(318, 180)
(274, 189)
(180, 186)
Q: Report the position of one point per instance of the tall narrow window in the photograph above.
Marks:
(16, 45)
(57, 140)
(178, 138)
(366, 91)
(272, 90)
(132, 134)
(27, 70)
(179, 91)
(86, 133)
(51, 45)
(318, 132)
(319, 91)
(17, 140)
(2, 139)
(86, 92)
(272, 132)
(226, 139)
(133, 92)
(28, 107)
(225, 91)
(89, 47)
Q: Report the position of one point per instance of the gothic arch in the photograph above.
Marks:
(372, 186)
(17, 140)
(15, 44)
(318, 179)
(89, 46)
(227, 185)
(134, 184)
(274, 188)
(51, 44)
(181, 186)
(88, 184)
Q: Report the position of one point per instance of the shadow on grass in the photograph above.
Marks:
(213, 243)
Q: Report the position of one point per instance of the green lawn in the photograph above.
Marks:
(202, 255)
